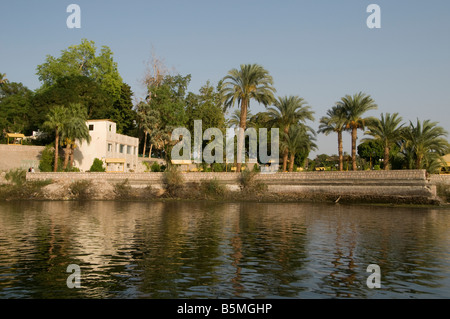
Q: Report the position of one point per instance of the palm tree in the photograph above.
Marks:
(424, 143)
(235, 119)
(74, 131)
(297, 139)
(251, 81)
(3, 78)
(56, 119)
(334, 122)
(388, 130)
(288, 111)
(355, 106)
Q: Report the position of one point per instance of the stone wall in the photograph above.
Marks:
(19, 156)
(359, 184)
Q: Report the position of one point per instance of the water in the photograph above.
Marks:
(222, 250)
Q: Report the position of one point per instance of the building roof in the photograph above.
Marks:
(115, 160)
(15, 135)
(447, 159)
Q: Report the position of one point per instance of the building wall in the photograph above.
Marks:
(106, 144)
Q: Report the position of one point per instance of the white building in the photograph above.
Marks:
(118, 152)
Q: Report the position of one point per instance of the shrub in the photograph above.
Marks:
(16, 176)
(97, 166)
(172, 181)
(81, 189)
(156, 167)
(248, 183)
(212, 188)
(123, 190)
(443, 191)
(47, 158)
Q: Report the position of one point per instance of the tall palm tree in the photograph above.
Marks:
(334, 122)
(74, 131)
(355, 106)
(56, 119)
(388, 130)
(235, 119)
(3, 78)
(287, 111)
(298, 138)
(242, 85)
(424, 142)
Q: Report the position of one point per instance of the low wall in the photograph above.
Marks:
(404, 184)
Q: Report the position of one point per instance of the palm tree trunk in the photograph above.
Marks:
(145, 144)
(66, 156)
(291, 163)
(354, 137)
(241, 140)
(285, 152)
(386, 158)
(341, 152)
(55, 165)
(150, 151)
(72, 153)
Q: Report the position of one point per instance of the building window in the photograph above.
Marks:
(110, 127)
(128, 149)
(110, 147)
(91, 127)
(121, 148)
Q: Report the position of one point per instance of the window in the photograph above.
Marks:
(110, 127)
(91, 127)
(110, 147)
(128, 149)
(121, 148)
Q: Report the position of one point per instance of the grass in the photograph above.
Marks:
(212, 189)
(172, 181)
(249, 184)
(443, 192)
(81, 189)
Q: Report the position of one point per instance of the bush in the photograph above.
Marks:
(123, 190)
(443, 191)
(16, 176)
(81, 189)
(172, 181)
(97, 166)
(155, 167)
(248, 183)
(213, 188)
(47, 158)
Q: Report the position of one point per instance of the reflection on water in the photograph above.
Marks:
(222, 250)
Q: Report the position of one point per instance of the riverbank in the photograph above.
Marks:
(376, 187)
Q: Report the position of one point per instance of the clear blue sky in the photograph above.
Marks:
(319, 50)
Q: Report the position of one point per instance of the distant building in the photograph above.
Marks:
(118, 152)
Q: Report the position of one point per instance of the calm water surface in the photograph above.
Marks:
(222, 250)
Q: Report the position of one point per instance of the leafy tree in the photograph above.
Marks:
(68, 90)
(371, 151)
(334, 122)
(83, 60)
(123, 113)
(355, 106)
(15, 105)
(47, 159)
(3, 78)
(288, 111)
(387, 130)
(250, 82)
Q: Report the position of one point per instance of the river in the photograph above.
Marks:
(222, 250)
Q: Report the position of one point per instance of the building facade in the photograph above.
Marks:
(118, 152)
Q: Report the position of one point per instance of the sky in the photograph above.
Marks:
(319, 50)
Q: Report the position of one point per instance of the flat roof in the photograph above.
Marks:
(115, 160)
(15, 135)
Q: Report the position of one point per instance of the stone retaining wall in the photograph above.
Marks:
(19, 156)
(373, 184)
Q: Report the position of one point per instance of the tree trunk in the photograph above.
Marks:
(386, 158)
(285, 152)
(241, 139)
(354, 137)
(291, 163)
(66, 156)
(340, 150)
(150, 151)
(55, 166)
(72, 153)
(145, 144)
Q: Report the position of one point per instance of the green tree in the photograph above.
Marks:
(3, 78)
(97, 166)
(288, 111)
(74, 131)
(56, 119)
(424, 144)
(371, 150)
(334, 122)
(355, 106)
(15, 105)
(250, 82)
(299, 138)
(122, 111)
(82, 59)
(387, 130)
